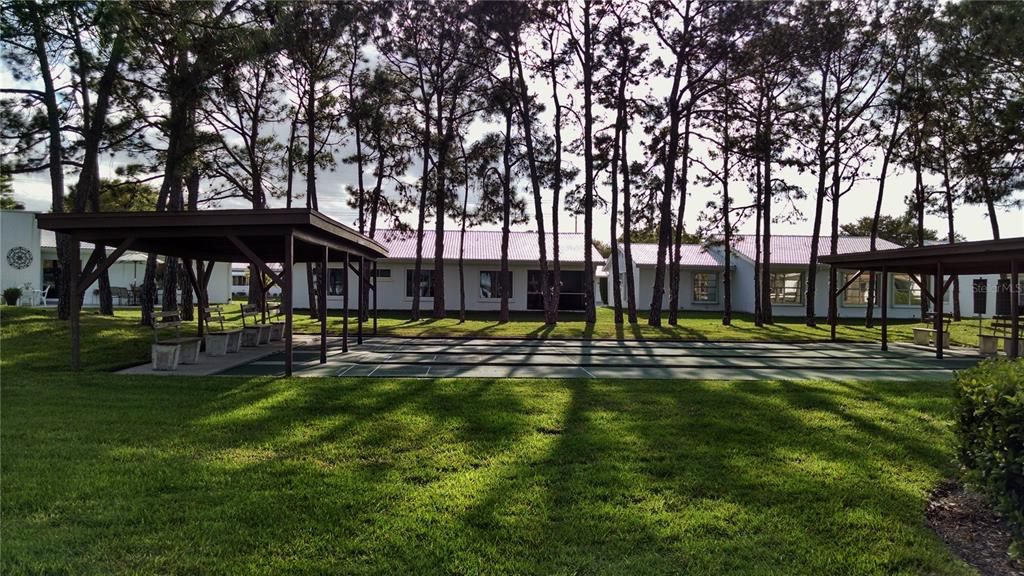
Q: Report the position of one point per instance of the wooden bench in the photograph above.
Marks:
(925, 336)
(221, 342)
(1001, 327)
(254, 333)
(276, 321)
(168, 353)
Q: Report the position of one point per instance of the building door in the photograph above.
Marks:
(571, 297)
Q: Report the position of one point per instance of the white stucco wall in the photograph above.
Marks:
(18, 229)
(392, 295)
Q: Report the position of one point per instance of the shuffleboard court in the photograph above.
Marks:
(393, 357)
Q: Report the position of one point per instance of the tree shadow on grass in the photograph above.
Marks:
(422, 476)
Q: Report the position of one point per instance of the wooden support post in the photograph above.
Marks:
(832, 313)
(1015, 308)
(286, 300)
(374, 278)
(939, 324)
(323, 305)
(361, 305)
(75, 258)
(344, 300)
(885, 309)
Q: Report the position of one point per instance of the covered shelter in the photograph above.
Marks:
(260, 237)
(1005, 257)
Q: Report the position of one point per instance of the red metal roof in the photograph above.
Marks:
(788, 249)
(485, 245)
(691, 255)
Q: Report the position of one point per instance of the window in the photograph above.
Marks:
(426, 283)
(787, 288)
(335, 282)
(856, 294)
(705, 287)
(491, 285)
(905, 292)
(50, 273)
(382, 273)
(239, 280)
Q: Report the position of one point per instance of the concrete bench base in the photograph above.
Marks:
(223, 343)
(256, 335)
(190, 347)
(926, 337)
(987, 345)
(276, 331)
(165, 356)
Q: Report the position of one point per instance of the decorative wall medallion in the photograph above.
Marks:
(19, 257)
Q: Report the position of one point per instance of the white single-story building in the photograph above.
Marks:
(30, 263)
(701, 272)
(482, 259)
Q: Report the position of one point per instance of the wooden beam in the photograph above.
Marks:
(75, 264)
(258, 261)
(938, 322)
(923, 287)
(102, 267)
(373, 278)
(945, 286)
(344, 300)
(848, 282)
(885, 309)
(322, 294)
(1015, 308)
(286, 302)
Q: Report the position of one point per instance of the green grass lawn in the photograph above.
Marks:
(107, 474)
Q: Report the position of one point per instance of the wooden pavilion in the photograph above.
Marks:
(260, 237)
(1005, 257)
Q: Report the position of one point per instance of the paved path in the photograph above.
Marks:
(392, 357)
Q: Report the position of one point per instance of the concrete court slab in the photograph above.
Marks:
(392, 357)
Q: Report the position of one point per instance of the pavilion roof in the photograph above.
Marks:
(980, 257)
(207, 234)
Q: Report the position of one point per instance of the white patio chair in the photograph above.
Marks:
(42, 295)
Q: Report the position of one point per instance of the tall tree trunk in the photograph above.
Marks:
(440, 173)
(616, 142)
(56, 166)
(462, 243)
(627, 219)
(726, 221)
(421, 219)
(758, 211)
(810, 315)
(506, 214)
(837, 194)
(919, 192)
(890, 149)
(588, 163)
(766, 221)
(950, 231)
(673, 305)
(550, 317)
(556, 191)
(665, 208)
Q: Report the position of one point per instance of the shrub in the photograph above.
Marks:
(990, 435)
(11, 295)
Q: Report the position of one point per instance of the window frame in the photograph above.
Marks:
(717, 284)
(497, 278)
(864, 279)
(408, 283)
(912, 287)
(801, 289)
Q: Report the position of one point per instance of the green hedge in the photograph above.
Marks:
(990, 435)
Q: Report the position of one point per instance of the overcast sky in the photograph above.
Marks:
(972, 222)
